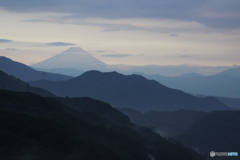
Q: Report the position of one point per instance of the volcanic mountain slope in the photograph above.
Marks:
(33, 127)
(74, 57)
(133, 91)
(27, 73)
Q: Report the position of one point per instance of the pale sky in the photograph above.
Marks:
(133, 32)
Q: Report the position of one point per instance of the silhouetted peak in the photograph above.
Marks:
(3, 58)
(91, 72)
(234, 72)
(98, 74)
(138, 76)
(113, 74)
(74, 57)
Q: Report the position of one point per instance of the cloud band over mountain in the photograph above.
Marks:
(36, 43)
(60, 44)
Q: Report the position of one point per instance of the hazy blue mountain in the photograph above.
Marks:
(177, 70)
(34, 127)
(167, 123)
(132, 91)
(169, 70)
(11, 83)
(27, 73)
(217, 85)
(217, 131)
(65, 71)
(75, 58)
(231, 102)
(191, 75)
(234, 72)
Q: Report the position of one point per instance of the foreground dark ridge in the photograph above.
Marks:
(217, 131)
(44, 128)
(167, 123)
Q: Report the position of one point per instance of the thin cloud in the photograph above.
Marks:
(101, 51)
(5, 41)
(185, 56)
(33, 20)
(60, 44)
(186, 10)
(173, 35)
(34, 43)
(153, 25)
(182, 56)
(12, 49)
(117, 55)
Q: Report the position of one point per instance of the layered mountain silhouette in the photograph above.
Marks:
(74, 57)
(231, 102)
(76, 61)
(34, 127)
(132, 91)
(27, 73)
(14, 84)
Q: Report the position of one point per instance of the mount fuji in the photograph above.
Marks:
(74, 57)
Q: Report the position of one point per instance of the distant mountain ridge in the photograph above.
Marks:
(191, 75)
(74, 57)
(27, 73)
(234, 72)
(133, 91)
(216, 85)
(231, 102)
(11, 83)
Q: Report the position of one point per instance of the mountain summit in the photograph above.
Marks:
(74, 57)
(74, 50)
